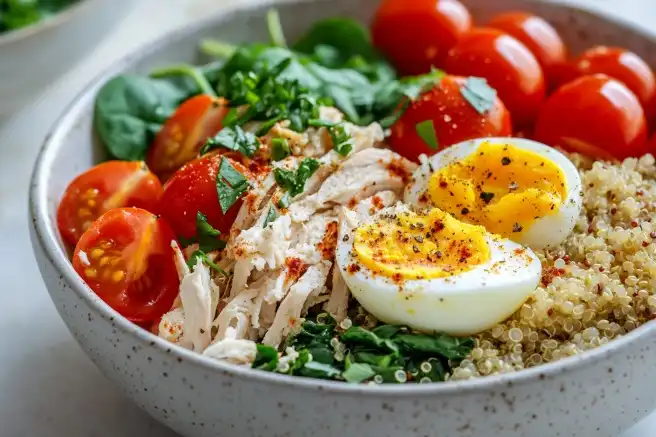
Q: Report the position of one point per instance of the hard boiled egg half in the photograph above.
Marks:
(433, 272)
(517, 188)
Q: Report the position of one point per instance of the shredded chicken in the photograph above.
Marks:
(362, 175)
(289, 312)
(279, 269)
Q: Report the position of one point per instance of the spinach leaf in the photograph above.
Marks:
(426, 131)
(358, 335)
(315, 369)
(453, 348)
(129, 110)
(358, 372)
(346, 36)
(266, 358)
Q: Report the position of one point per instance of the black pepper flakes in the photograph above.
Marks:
(464, 211)
(505, 161)
(419, 239)
(345, 238)
(486, 197)
(517, 227)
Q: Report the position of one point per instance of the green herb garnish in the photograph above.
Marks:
(199, 254)
(230, 184)
(426, 130)
(266, 358)
(342, 141)
(294, 181)
(479, 94)
(280, 149)
(233, 138)
(270, 217)
(208, 237)
(388, 353)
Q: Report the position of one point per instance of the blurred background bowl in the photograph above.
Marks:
(31, 57)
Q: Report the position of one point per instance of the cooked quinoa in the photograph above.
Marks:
(599, 285)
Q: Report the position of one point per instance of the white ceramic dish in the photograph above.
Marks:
(598, 393)
(30, 58)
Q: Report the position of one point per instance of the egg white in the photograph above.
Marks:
(545, 232)
(462, 304)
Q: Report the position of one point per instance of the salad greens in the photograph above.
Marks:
(15, 14)
(387, 353)
(334, 63)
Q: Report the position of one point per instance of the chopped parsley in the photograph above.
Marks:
(208, 237)
(233, 138)
(199, 254)
(280, 149)
(270, 217)
(426, 130)
(342, 140)
(230, 184)
(294, 181)
(479, 94)
(266, 358)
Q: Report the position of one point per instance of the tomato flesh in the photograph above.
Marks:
(192, 189)
(454, 120)
(112, 184)
(508, 66)
(416, 35)
(537, 35)
(185, 132)
(126, 258)
(594, 115)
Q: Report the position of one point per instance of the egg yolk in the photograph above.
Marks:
(425, 245)
(500, 187)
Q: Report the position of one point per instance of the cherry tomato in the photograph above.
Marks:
(127, 260)
(416, 35)
(454, 120)
(594, 115)
(193, 188)
(184, 133)
(620, 64)
(508, 66)
(112, 184)
(536, 34)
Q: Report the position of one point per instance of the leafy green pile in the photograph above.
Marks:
(334, 63)
(385, 354)
(15, 14)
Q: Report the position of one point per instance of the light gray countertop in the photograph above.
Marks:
(47, 386)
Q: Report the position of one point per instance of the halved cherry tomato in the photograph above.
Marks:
(184, 133)
(454, 120)
(536, 34)
(193, 188)
(620, 64)
(594, 115)
(508, 66)
(416, 35)
(127, 260)
(112, 184)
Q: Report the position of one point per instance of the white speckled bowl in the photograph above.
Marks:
(598, 393)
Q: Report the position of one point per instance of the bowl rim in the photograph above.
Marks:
(47, 238)
(61, 17)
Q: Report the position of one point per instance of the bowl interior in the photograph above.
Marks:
(72, 146)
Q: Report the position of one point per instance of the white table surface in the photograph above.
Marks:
(47, 385)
